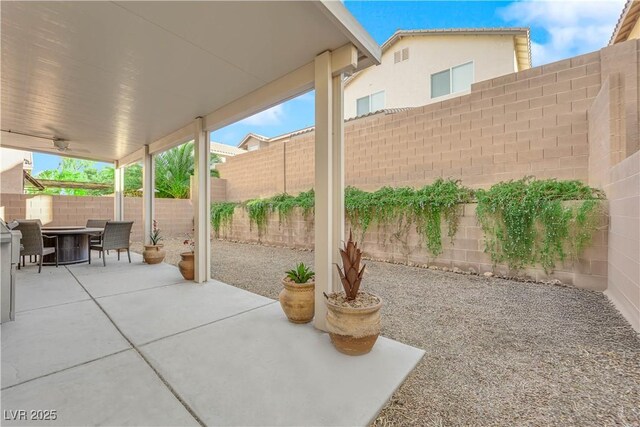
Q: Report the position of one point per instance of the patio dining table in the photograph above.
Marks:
(73, 243)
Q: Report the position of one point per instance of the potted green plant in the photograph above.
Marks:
(186, 264)
(154, 253)
(353, 316)
(297, 297)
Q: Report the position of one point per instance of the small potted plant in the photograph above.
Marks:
(154, 253)
(186, 264)
(353, 316)
(297, 298)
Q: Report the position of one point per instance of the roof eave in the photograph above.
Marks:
(369, 51)
(399, 34)
(628, 18)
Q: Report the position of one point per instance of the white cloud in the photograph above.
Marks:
(573, 27)
(272, 116)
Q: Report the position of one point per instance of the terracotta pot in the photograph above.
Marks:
(298, 300)
(353, 331)
(153, 254)
(186, 265)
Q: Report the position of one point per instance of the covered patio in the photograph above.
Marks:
(135, 344)
(122, 82)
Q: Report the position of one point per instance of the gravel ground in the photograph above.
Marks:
(498, 352)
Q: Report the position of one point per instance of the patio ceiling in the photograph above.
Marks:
(111, 77)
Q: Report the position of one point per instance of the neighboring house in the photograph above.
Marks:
(628, 26)
(424, 66)
(13, 163)
(223, 151)
(253, 141)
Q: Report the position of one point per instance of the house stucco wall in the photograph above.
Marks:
(252, 143)
(635, 32)
(12, 163)
(408, 83)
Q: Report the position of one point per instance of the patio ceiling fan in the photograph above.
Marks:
(60, 144)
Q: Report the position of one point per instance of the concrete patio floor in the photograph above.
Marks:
(133, 344)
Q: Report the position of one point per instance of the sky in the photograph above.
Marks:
(559, 29)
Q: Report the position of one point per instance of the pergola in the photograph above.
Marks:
(122, 81)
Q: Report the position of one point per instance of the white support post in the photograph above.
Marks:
(148, 193)
(337, 196)
(201, 199)
(324, 213)
(118, 193)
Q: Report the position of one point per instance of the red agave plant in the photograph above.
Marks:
(351, 273)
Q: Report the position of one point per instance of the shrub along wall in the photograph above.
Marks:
(465, 251)
(526, 228)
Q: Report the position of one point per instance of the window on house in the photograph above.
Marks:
(461, 77)
(370, 103)
(405, 53)
(252, 147)
(455, 79)
(362, 106)
(441, 83)
(377, 101)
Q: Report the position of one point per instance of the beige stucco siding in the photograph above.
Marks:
(12, 163)
(635, 31)
(253, 143)
(407, 83)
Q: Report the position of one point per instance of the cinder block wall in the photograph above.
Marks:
(614, 165)
(623, 191)
(573, 119)
(218, 190)
(529, 123)
(55, 210)
(174, 216)
(466, 251)
(259, 174)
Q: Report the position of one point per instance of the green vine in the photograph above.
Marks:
(258, 211)
(426, 207)
(529, 222)
(283, 204)
(222, 215)
(441, 200)
(525, 222)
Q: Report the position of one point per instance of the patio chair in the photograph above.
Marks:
(30, 256)
(96, 223)
(39, 222)
(115, 237)
(33, 243)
